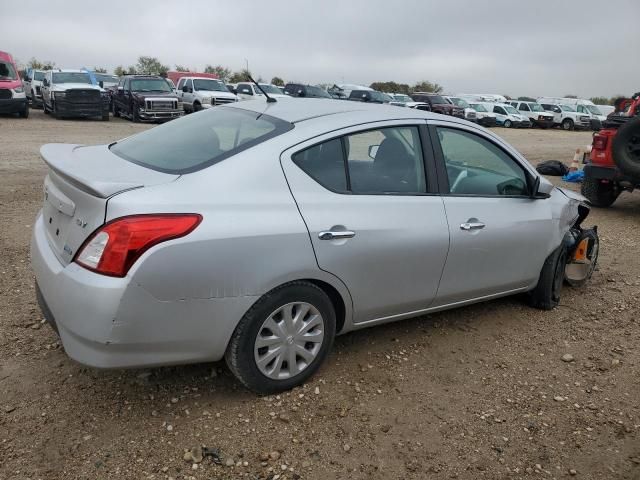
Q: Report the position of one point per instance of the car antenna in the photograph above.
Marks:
(269, 99)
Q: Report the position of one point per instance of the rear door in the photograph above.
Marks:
(500, 236)
(368, 197)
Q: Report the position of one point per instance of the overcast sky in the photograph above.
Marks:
(514, 47)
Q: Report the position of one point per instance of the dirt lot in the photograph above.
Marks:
(481, 392)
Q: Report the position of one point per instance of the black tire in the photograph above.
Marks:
(507, 124)
(44, 107)
(105, 116)
(599, 194)
(240, 351)
(25, 113)
(197, 107)
(567, 124)
(546, 295)
(134, 114)
(626, 148)
(116, 110)
(54, 110)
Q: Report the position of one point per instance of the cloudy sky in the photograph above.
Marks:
(514, 47)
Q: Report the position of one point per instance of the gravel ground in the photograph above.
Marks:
(491, 391)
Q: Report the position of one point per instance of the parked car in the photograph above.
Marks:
(469, 113)
(12, 95)
(33, 86)
(507, 116)
(106, 81)
(197, 93)
(408, 102)
(71, 93)
(145, 98)
(586, 107)
(249, 91)
(484, 116)
(369, 96)
(438, 104)
(258, 235)
(308, 91)
(566, 116)
(483, 97)
(614, 163)
(534, 112)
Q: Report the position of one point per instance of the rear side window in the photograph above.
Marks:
(381, 161)
(197, 141)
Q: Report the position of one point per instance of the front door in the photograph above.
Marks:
(500, 236)
(368, 198)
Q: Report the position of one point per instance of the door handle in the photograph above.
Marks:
(472, 226)
(330, 235)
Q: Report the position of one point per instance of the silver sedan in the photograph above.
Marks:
(257, 232)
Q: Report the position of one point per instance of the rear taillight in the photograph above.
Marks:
(115, 247)
(599, 142)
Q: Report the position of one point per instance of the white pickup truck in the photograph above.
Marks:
(566, 116)
(195, 93)
(71, 93)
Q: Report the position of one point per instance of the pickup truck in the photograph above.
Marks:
(534, 112)
(248, 91)
(438, 104)
(566, 116)
(369, 96)
(33, 85)
(71, 93)
(147, 98)
(196, 93)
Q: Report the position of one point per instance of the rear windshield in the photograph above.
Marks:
(197, 141)
(7, 72)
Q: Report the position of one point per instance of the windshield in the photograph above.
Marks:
(209, 85)
(477, 107)
(316, 92)
(379, 96)
(270, 89)
(567, 108)
(150, 85)
(403, 98)
(7, 72)
(510, 109)
(70, 77)
(197, 141)
(459, 102)
(38, 75)
(593, 109)
(101, 77)
(437, 99)
(535, 107)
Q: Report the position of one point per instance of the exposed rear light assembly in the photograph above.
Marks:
(114, 248)
(599, 142)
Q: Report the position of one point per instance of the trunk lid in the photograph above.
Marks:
(77, 188)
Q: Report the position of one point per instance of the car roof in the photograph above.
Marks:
(68, 70)
(302, 109)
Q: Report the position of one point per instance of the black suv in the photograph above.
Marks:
(308, 91)
(145, 98)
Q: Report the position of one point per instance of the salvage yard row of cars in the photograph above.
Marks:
(82, 93)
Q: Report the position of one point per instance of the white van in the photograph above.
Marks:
(507, 116)
(484, 116)
(483, 97)
(534, 111)
(580, 104)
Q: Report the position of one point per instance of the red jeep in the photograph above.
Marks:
(614, 164)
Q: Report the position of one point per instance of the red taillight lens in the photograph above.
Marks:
(115, 247)
(599, 142)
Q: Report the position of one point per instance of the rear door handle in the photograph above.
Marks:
(472, 226)
(330, 235)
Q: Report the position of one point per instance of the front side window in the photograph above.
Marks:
(197, 141)
(499, 110)
(476, 166)
(536, 108)
(209, 85)
(381, 161)
(524, 107)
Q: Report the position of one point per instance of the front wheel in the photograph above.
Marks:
(508, 124)
(599, 194)
(25, 112)
(283, 339)
(116, 110)
(546, 295)
(567, 124)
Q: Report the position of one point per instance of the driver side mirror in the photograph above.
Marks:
(300, 93)
(373, 151)
(45, 82)
(185, 89)
(540, 189)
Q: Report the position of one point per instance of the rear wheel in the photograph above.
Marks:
(567, 124)
(116, 110)
(546, 295)
(283, 339)
(599, 194)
